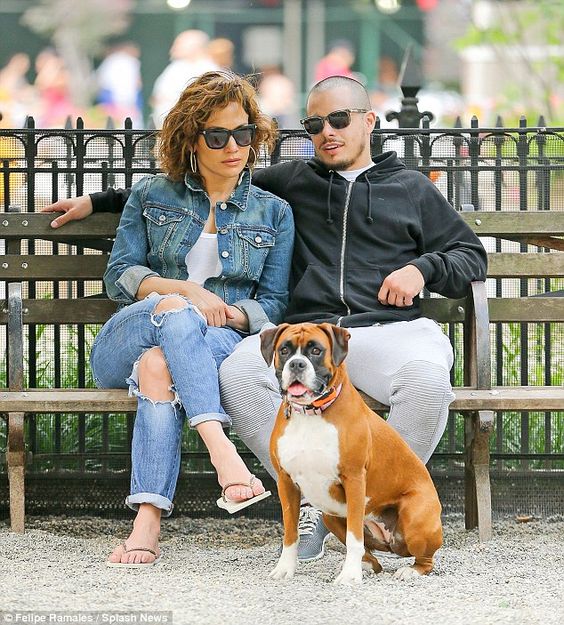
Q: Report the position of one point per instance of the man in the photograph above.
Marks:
(369, 236)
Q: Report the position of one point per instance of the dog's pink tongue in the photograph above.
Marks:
(297, 389)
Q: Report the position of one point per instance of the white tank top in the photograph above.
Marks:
(202, 261)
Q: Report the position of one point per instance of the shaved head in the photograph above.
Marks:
(357, 92)
(345, 148)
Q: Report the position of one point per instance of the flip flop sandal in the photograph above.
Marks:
(234, 506)
(136, 565)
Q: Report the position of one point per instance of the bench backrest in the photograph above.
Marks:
(544, 229)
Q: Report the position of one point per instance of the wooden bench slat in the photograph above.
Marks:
(93, 266)
(103, 225)
(541, 241)
(500, 398)
(48, 267)
(91, 310)
(515, 223)
(529, 309)
(37, 226)
(442, 309)
(515, 265)
(549, 398)
(67, 400)
(61, 311)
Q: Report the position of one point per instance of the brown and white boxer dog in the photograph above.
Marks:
(374, 492)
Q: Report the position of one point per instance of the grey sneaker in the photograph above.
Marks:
(312, 534)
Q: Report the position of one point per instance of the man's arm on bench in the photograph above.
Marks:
(110, 201)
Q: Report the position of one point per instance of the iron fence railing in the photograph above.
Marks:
(485, 169)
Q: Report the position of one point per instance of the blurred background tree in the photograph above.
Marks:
(78, 29)
(514, 49)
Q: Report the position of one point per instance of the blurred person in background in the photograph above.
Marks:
(386, 95)
(189, 58)
(337, 62)
(16, 94)
(221, 52)
(119, 84)
(277, 97)
(52, 84)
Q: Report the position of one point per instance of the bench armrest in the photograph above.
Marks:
(477, 353)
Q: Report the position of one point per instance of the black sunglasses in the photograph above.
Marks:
(337, 119)
(217, 138)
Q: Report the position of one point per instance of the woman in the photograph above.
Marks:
(201, 258)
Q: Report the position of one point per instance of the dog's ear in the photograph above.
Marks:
(268, 340)
(339, 341)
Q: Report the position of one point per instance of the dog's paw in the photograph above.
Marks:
(371, 565)
(406, 572)
(349, 576)
(283, 570)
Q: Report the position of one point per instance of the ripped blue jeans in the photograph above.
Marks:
(193, 352)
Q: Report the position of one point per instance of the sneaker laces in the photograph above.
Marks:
(309, 517)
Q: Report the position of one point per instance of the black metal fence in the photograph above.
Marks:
(485, 169)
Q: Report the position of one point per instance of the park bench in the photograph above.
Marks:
(477, 399)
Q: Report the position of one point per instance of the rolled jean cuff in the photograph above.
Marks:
(255, 314)
(130, 280)
(166, 505)
(210, 416)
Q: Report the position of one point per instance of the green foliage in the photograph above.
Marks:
(525, 27)
(90, 22)
(78, 30)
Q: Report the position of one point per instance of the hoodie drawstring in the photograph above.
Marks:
(329, 219)
(369, 209)
(369, 218)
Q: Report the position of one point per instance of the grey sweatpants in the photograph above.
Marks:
(404, 364)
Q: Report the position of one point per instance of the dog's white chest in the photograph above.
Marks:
(309, 452)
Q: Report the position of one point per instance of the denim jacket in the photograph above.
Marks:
(161, 222)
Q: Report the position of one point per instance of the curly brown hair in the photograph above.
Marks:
(186, 119)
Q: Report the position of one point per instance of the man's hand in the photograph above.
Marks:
(214, 309)
(73, 208)
(401, 286)
(239, 321)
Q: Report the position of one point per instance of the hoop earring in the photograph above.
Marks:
(255, 158)
(193, 162)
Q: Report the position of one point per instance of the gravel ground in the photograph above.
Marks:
(216, 571)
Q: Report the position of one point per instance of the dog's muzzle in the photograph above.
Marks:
(297, 368)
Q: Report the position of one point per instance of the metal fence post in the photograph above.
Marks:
(409, 116)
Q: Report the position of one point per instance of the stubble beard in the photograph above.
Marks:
(345, 164)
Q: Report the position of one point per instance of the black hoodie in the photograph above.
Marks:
(351, 235)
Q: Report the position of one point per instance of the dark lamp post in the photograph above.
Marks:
(410, 82)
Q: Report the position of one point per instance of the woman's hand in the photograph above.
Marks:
(214, 309)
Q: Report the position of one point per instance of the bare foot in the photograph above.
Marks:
(231, 468)
(145, 534)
